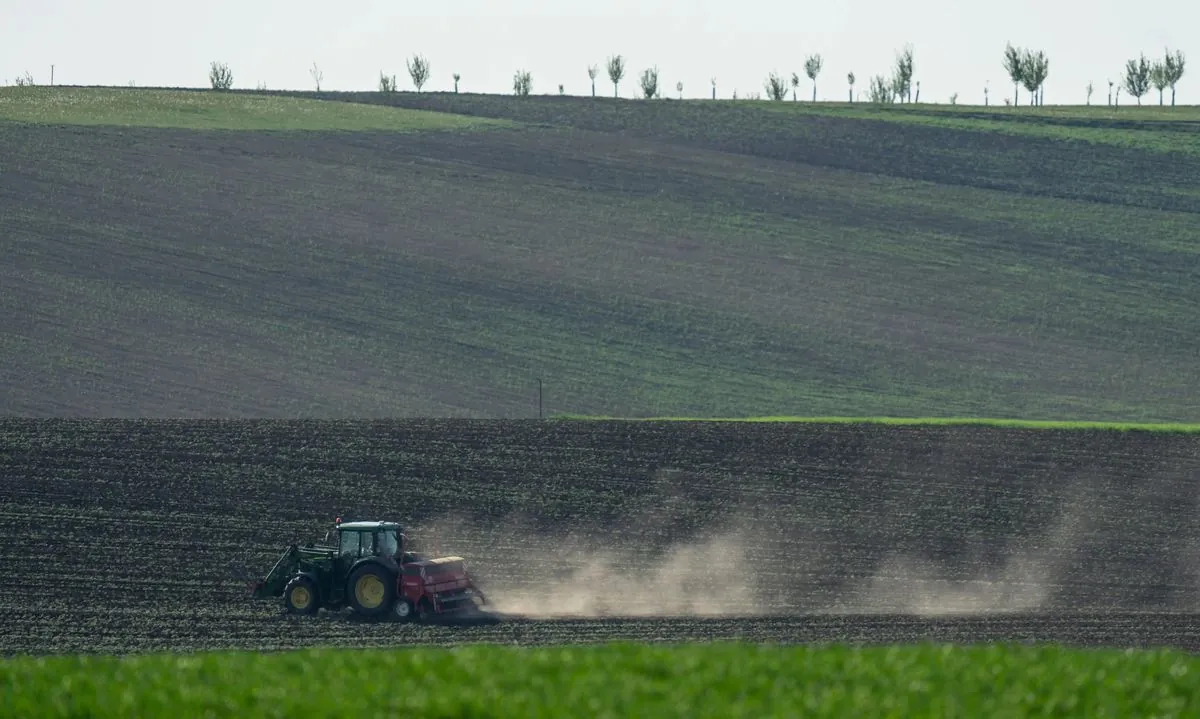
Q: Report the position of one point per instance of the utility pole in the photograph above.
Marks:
(52, 75)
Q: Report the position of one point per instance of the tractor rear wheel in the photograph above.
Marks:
(300, 595)
(372, 590)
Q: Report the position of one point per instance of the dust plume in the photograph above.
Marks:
(527, 573)
(1025, 582)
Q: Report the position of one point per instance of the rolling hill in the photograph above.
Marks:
(194, 254)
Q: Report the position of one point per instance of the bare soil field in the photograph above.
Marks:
(142, 535)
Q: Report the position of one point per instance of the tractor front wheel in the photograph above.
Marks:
(372, 590)
(300, 596)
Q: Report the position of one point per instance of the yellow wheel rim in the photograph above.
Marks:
(301, 597)
(369, 591)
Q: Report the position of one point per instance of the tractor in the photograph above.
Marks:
(366, 566)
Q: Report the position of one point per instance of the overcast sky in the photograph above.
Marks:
(958, 45)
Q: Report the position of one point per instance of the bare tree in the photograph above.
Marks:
(418, 70)
(903, 73)
(679, 88)
(1158, 78)
(616, 72)
(317, 75)
(986, 91)
(1090, 89)
(714, 85)
(386, 84)
(1137, 77)
(954, 99)
(1175, 62)
(219, 76)
(522, 83)
(776, 86)
(850, 79)
(457, 77)
(795, 85)
(1110, 92)
(812, 68)
(1014, 65)
(592, 70)
(649, 82)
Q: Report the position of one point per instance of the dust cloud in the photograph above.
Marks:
(584, 575)
(1083, 542)
(1025, 582)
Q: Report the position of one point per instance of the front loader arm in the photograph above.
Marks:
(272, 585)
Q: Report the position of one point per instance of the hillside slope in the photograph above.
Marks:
(170, 272)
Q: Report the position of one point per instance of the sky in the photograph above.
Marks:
(957, 46)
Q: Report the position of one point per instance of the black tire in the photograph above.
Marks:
(300, 596)
(365, 594)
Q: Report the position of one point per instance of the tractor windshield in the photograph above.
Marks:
(386, 543)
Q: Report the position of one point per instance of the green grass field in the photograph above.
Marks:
(1178, 428)
(714, 680)
(132, 107)
(644, 259)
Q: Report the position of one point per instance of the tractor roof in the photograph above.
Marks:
(368, 526)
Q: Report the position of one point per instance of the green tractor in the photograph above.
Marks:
(365, 565)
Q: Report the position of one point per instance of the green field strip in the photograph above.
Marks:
(708, 680)
(1177, 428)
(135, 107)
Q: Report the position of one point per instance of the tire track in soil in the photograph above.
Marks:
(139, 536)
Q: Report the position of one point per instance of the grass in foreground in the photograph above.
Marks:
(725, 680)
(923, 421)
(212, 111)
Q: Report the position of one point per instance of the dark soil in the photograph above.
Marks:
(139, 535)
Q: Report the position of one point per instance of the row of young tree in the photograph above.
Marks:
(1024, 67)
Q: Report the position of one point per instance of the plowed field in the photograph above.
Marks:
(137, 535)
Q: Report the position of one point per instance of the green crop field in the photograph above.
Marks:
(211, 111)
(715, 680)
(665, 258)
(921, 421)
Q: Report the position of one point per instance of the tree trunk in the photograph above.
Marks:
(1016, 95)
(593, 88)
(1172, 96)
(814, 91)
(851, 93)
(1160, 97)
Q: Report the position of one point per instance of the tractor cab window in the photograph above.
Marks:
(386, 544)
(349, 544)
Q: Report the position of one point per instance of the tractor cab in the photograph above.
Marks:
(355, 540)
